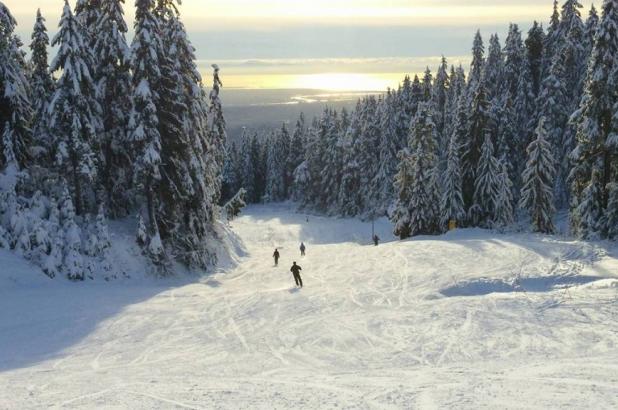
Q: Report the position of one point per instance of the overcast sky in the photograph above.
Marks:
(288, 36)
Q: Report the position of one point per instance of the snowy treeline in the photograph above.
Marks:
(107, 129)
(533, 126)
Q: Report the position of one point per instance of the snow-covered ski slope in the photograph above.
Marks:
(470, 320)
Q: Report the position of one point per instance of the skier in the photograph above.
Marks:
(295, 269)
(276, 256)
(376, 239)
(302, 249)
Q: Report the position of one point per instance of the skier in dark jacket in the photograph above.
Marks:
(302, 249)
(276, 256)
(376, 239)
(295, 269)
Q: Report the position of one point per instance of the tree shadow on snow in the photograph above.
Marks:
(486, 286)
(38, 323)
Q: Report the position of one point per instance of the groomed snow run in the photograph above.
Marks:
(470, 320)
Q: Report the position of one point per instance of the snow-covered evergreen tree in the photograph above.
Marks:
(486, 187)
(478, 62)
(535, 51)
(296, 154)
(451, 204)
(368, 153)
(113, 79)
(16, 111)
(75, 112)
(42, 89)
(427, 85)
(456, 90)
(590, 213)
(218, 134)
(524, 106)
(493, 71)
(417, 210)
(504, 213)
(87, 13)
(144, 121)
(275, 171)
(284, 142)
(441, 86)
(400, 215)
(553, 109)
(192, 161)
(382, 183)
(590, 29)
(73, 262)
(537, 195)
(349, 201)
(595, 154)
(573, 48)
(478, 124)
(514, 61)
(553, 36)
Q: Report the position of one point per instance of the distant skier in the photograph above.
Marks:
(276, 256)
(376, 239)
(295, 269)
(302, 249)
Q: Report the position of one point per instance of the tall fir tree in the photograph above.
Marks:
(417, 209)
(535, 51)
(514, 61)
(572, 47)
(195, 176)
(382, 183)
(284, 141)
(537, 196)
(75, 113)
(113, 79)
(15, 103)
(590, 29)
(478, 62)
(452, 204)
(493, 72)
(554, 112)
(275, 173)
(590, 213)
(486, 187)
(296, 153)
(349, 201)
(42, 89)
(144, 122)
(478, 125)
(331, 173)
(504, 213)
(369, 143)
(441, 85)
(595, 156)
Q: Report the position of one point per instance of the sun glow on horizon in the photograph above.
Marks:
(318, 81)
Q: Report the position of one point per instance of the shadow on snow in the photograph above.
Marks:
(486, 286)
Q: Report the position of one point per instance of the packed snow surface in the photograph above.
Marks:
(473, 319)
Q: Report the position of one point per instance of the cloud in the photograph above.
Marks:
(333, 65)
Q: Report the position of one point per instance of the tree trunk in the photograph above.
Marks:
(77, 185)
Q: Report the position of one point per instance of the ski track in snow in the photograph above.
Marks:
(469, 320)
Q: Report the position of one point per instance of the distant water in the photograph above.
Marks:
(263, 110)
